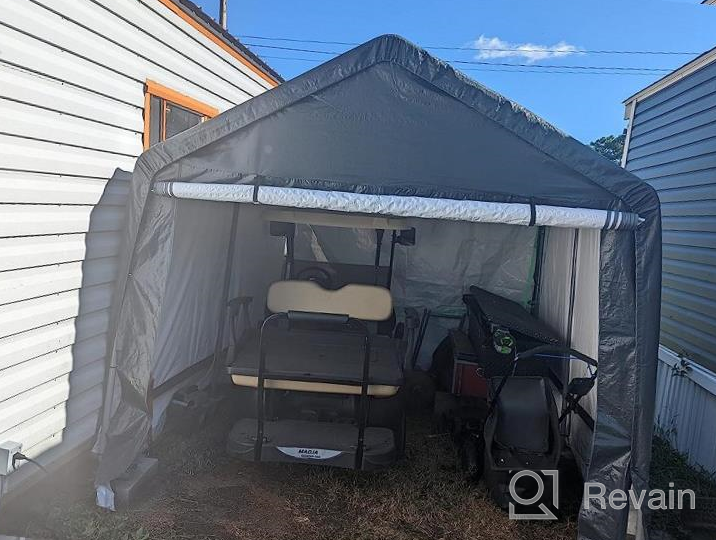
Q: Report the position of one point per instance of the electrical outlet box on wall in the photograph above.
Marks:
(7, 450)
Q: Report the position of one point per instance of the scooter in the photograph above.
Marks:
(498, 399)
(522, 426)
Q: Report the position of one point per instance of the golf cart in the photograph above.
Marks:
(499, 378)
(320, 378)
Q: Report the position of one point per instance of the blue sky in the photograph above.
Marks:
(586, 106)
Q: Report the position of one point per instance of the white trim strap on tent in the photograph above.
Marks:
(393, 205)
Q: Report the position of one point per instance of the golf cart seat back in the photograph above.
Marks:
(364, 302)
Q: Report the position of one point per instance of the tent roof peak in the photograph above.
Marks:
(601, 180)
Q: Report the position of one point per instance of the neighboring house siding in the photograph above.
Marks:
(72, 78)
(686, 409)
(673, 147)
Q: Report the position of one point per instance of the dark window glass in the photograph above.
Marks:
(179, 119)
(155, 120)
(167, 119)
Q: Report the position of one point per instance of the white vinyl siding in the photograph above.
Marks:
(72, 78)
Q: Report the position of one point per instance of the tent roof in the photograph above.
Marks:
(388, 118)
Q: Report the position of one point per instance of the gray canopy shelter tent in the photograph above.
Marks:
(387, 129)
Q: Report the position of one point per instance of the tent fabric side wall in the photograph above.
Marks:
(193, 247)
(594, 322)
(558, 304)
(585, 336)
(135, 322)
(192, 310)
(192, 298)
(255, 244)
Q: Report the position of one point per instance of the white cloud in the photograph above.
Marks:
(494, 47)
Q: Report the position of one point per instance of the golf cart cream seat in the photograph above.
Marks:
(374, 390)
(365, 302)
(323, 360)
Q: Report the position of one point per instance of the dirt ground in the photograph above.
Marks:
(201, 493)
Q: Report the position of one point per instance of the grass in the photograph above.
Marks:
(670, 466)
(203, 494)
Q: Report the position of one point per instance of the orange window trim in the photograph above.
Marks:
(217, 40)
(147, 119)
(161, 91)
(152, 88)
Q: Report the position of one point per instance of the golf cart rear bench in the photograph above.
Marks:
(324, 385)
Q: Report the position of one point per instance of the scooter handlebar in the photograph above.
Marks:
(558, 350)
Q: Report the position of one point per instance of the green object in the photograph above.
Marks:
(503, 341)
(611, 146)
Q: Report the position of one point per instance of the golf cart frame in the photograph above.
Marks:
(310, 315)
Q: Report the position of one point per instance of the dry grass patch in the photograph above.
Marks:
(203, 494)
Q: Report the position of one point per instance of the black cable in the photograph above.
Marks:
(617, 68)
(330, 53)
(453, 48)
(565, 72)
(483, 63)
(604, 72)
(17, 456)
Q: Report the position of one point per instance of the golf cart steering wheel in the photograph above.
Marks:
(317, 275)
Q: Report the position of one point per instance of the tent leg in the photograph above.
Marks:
(393, 241)
(572, 287)
(567, 426)
(537, 274)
